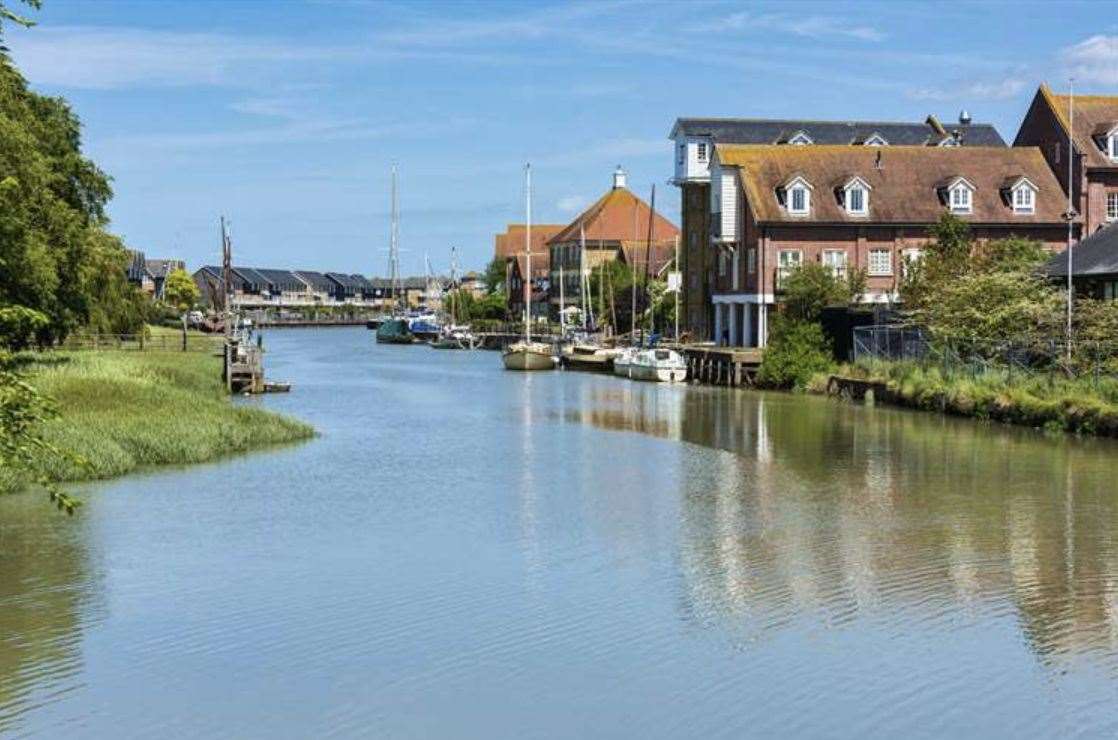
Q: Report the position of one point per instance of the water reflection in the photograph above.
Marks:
(45, 600)
(837, 513)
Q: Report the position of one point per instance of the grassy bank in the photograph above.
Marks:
(120, 410)
(1080, 405)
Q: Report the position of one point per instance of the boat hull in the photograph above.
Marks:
(394, 331)
(518, 358)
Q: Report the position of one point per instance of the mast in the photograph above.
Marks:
(562, 303)
(1070, 213)
(583, 279)
(528, 251)
(648, 259)
(679, 288)
(453, 282)
(227, 278)
(394, 249)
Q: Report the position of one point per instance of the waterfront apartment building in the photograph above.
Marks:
(774, 208)
(615, 227)
(1095, 150)
(695, 139)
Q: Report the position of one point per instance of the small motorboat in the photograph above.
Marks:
(589, 357)
(658, 365)
(453, 337)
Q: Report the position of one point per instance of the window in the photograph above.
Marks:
(751, 260)
(702, 151)
(799, 138)
(876, 140)
(682, 153)
(1112, 145)
(881, 262)
(960, 198)
(855, 195)
(910, 258)
(1112, 206)
(787, 261)
(835, 261)
(799, 200)
(1023, 199)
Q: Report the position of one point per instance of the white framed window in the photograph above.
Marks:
(1024, 199)
(876, 139)
(751, 260)
(702, 151)
(909, 258)
(1112, 206)
(959, 196)
(800, 138)
(880, 262)
(835, 261)
(788, 260)
(856, 197)
(1112, 145)
(797, 197)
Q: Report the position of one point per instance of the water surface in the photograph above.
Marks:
(466, 552)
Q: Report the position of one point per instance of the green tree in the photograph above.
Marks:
(7, 14)
(813, 286)
(180, 291)
(495, 273)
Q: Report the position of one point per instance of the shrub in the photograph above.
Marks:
(797, 350)
(20, 325)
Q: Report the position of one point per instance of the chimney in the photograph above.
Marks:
(964, 117)
(618, 178)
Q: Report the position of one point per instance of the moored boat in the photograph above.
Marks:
(526, 355)
(589, 357)
(658, 365)
(394, 331)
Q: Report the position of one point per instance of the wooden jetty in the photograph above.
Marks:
(243, 368)
(729, 366)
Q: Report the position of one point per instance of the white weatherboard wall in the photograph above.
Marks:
(690, 168)
(724, 197)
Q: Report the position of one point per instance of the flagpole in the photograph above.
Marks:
(1070, 213)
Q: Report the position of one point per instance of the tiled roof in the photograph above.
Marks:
(1093, 114)
(617, 216)
(163, 267)
(905, 182)
(316, 280)
(766, 131)
(347, 282)
(253, 279)
(215, 274)
(1095, 255)
(511, 243)
(282, 280)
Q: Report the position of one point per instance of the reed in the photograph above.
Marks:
(1049, 401)
(119, 411)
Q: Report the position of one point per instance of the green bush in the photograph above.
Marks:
(19, 326)
(797, 350)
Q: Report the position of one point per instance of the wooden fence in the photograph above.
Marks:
(141, 343)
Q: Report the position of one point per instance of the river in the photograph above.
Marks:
(467, 552)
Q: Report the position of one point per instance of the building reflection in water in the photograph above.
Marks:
(802, 508)
(46, 600)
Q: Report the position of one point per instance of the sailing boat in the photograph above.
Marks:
(452, 335)
(526, 354)
(394, 329)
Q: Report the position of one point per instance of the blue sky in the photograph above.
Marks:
(286, 115)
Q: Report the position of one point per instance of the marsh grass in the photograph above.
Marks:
(1043, 400)
(119, 411)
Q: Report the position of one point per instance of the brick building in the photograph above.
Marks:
(773, 208)
(1095, 140)
(695, 139)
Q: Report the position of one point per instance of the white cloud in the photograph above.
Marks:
(811, 26)
(1093, 60)
(1009, 87)
(571, 203)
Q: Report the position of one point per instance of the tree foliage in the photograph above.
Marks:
(812, 287)
(495, 273)
(796, 351)
(180, 291)
(56, 256)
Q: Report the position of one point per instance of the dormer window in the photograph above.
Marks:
(797, 197)
(1106, 137)
(960, 196)
(800, 138)
(875, 139)
(1022, 196)
(856, 196)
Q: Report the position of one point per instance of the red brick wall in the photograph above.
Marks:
(1041, 129)
(857, 240)
(1099, 183)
